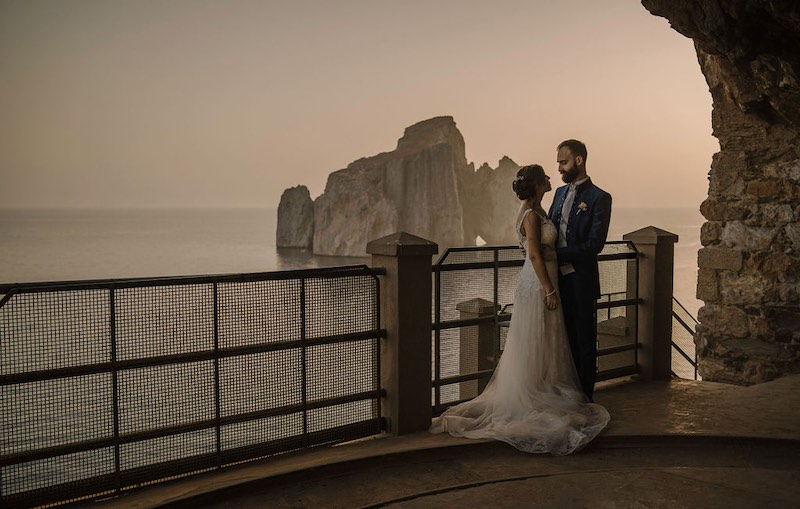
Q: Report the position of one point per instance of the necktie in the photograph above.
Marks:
(566, 208)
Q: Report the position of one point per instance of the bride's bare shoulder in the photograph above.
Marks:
(521, 213)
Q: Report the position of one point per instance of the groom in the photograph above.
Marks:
(581, 212)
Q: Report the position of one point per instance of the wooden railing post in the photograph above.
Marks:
(656, 249)
(406, 316)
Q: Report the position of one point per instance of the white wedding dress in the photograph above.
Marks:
(533, 400)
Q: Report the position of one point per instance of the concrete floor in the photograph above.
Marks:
(671, 445)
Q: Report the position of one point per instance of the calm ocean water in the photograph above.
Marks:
(58, 245)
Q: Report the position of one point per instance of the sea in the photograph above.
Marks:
(79, 244)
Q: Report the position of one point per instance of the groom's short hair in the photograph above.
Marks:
(576, 147)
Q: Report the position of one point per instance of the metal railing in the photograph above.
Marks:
(473, 290)
(684, 365)
(108, 385)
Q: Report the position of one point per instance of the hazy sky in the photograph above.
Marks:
(173, 103)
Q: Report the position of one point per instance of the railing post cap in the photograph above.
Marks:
(478, 306)
(402, 244)
(651, 235)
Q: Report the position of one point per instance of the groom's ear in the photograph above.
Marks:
(579, 160)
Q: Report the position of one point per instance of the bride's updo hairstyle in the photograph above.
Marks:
(528, 177)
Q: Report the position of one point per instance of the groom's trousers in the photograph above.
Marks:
(580, 318)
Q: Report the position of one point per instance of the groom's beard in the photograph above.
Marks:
(570, 175)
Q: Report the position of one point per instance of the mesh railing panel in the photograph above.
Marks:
(460, 286)
(342, 305)
(161, 396)
(163, 320)
(509, 253)
(450, 362)
(181, 448)
(51, 330)
(133, 382)
(469, 292)
(30, 482)
(260, 312)
(40, 414)
(325, 422)
(53, 413)
(251, 434)
(279, 375)
(617, 338)
(339, 370)
(467, 351)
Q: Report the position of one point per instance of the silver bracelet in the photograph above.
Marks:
(551, 293)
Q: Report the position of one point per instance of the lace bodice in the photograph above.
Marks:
(549, 232)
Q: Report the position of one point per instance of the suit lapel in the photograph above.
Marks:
(556, 208)
(558, 205)
(579, 192)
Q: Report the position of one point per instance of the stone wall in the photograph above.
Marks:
(749, 266)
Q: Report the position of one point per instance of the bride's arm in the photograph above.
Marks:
(548, 253)
(533, 232)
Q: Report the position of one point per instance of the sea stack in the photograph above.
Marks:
(295, 219)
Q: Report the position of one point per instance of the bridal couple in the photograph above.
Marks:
(539, 398)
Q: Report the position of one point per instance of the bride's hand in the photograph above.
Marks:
(551, 301)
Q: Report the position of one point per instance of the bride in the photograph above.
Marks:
(533, 400)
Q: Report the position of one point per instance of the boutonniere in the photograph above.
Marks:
(582, 207)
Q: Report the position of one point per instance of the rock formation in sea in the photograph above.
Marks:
(296, 213)
(424, 187)
(412, 189)
(491, 205)
(749, 266)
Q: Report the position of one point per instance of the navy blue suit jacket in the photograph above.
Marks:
(587, 230)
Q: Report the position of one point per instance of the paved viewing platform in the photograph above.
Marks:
(669, 444)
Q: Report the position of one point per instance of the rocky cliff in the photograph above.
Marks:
(494, 203)
(749, 267)
(424, 187)
(296, 229)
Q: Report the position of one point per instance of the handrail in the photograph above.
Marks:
(439, 265)
(246, 277)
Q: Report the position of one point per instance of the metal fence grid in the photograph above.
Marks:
(107, 385)
(473, 301)
(617, 319)
(471, 286)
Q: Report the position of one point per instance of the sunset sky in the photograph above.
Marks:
(200, 103)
